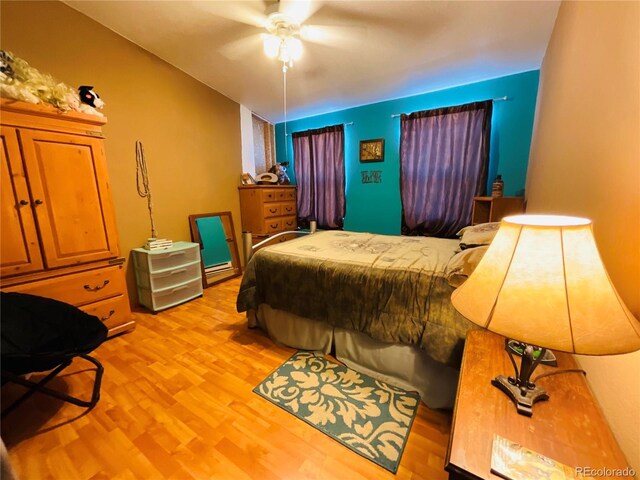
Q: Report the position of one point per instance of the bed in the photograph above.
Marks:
(381, 303)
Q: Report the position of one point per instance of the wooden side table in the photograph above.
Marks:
(569, 427)
(493, 209)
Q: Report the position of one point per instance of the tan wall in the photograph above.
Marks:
(585, 160)
(190, 132)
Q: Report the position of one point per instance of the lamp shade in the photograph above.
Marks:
(542, 282)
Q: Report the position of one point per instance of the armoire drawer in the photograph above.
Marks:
(112, 311)
(78, 288)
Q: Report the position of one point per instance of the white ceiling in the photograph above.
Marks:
(378, 50)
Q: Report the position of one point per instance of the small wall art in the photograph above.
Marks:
(373, 176)
(372, 150)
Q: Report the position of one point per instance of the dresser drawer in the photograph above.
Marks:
(273, 225)
(288, 208)
(170, 277)
(112, 312)
(269, 195)
(290, 194)
(288, 223)
(78, 288)
(286, 238)
(271, 210)
(181, 254)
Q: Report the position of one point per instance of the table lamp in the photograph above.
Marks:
(542, 284)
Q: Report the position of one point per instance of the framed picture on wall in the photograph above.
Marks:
(372, 150)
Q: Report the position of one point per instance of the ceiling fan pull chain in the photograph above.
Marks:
(284, 89)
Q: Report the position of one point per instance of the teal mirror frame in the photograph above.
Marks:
(219, 258)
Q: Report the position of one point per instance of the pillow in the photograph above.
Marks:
(463, 264)
(476, 235)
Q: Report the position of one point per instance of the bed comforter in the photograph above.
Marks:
(392, 288)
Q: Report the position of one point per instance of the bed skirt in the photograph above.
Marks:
(401, 365)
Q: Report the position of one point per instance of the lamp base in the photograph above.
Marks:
(517, 348)
(523, 397)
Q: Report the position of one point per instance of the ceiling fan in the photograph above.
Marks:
(283, 28)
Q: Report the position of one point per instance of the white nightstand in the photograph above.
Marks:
(168, 277)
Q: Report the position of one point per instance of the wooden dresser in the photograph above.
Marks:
(268, 209)
(59, 237)
(568, 428)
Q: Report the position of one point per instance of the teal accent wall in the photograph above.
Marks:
(376, 207)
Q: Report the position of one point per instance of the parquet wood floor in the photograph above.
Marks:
(176, 403)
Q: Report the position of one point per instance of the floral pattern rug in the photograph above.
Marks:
(368, 416)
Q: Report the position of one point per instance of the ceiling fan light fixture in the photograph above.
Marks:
(282, 41)
(271, 45)
(293, 46)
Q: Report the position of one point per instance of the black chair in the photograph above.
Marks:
(40, 334)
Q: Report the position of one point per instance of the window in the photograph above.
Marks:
(263, 144)
(444, 159)
(318, 159)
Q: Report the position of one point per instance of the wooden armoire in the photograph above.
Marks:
(57, 224)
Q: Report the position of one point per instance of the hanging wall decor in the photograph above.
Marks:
(372, 150)
(373, 176)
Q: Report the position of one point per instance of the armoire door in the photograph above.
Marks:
(19, 247)
(71, 197)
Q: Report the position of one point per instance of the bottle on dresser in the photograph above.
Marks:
(497, 189)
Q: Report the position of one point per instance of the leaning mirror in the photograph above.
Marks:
(215, 234)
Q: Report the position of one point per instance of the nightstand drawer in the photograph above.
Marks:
(180, 254)
(169, 297)
(171, 277)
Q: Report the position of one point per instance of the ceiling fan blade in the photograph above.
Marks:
(242, 47)
(333, 35)
(300, 10)
(243, 12)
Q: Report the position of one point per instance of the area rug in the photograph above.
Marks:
(366, 415)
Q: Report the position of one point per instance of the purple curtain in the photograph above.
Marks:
(444, 158)
(318, 162)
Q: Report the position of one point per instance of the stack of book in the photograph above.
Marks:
(214, 269)
(158, 244)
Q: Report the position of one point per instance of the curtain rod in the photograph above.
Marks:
(499, 99)
(347, 124)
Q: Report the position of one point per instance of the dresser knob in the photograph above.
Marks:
(24, 202)
(38, 202)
